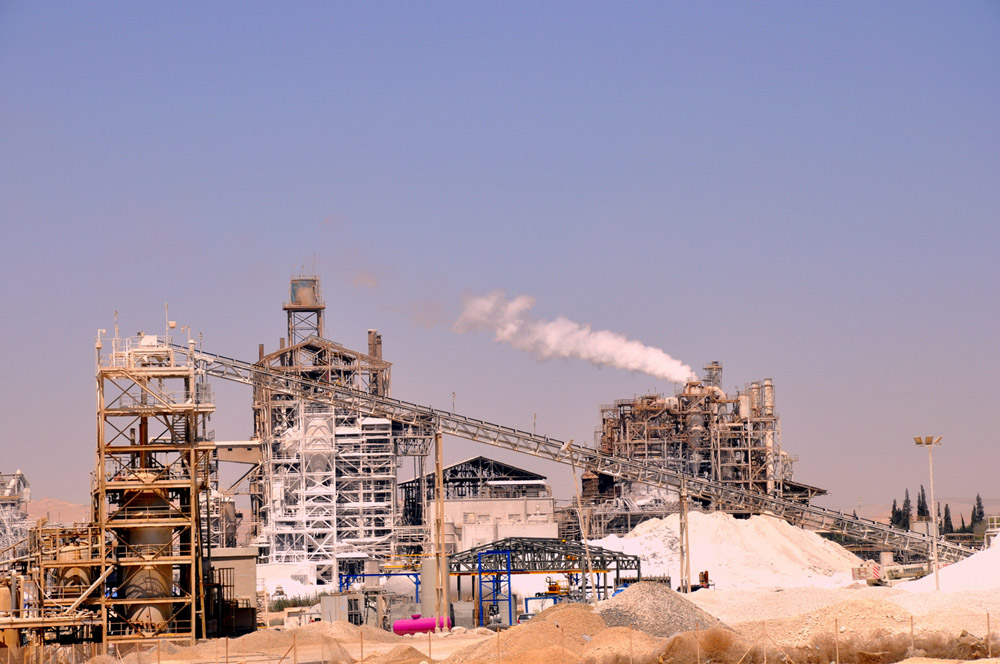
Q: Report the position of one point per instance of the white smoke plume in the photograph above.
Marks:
(511, 324)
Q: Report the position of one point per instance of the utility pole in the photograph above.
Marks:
(685, 542)
(930, 442)
(441, 596)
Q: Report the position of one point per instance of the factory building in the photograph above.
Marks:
(733, 440)
(484, 501)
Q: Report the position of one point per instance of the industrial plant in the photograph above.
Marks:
(172, 553)
(734, 441)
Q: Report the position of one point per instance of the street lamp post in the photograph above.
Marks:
(930, 442)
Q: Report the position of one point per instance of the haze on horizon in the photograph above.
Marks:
(802, 192)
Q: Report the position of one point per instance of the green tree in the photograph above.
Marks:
(894, 515)
(947, 526)
(978, 513)
(922, 509)
(906, 511)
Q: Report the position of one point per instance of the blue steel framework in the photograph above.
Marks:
(494, 589)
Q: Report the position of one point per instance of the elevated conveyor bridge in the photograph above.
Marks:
(425, 420)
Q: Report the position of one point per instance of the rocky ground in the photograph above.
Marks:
(651, 623)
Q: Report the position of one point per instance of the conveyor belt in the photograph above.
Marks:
(425, 420)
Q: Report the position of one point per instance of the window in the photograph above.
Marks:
(354, 611)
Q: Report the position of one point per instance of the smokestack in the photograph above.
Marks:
(375, 344)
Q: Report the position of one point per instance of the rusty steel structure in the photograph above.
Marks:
(151, 488)
(700, 431)
(136, 573)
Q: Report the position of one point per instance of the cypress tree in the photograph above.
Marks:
(906, 511)
(947, 526)
(978, 513)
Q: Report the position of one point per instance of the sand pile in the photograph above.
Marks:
(331, 635)
(555, 635)
(398, 655)
(621, 642)
(349, 633)
(977, 572)
(655, 609)
(759, 552)
(944, 612)
(736, 606)
(860, 617)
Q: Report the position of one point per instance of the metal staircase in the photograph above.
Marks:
(425, 421)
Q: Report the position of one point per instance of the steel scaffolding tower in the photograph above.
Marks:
(325, 493)
(14, 497)
(151, 485)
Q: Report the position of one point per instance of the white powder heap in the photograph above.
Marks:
(759, 552)
(977, 572)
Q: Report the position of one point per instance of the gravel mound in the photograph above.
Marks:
(655, 609)
(553, 636)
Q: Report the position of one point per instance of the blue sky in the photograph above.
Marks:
(803, 191)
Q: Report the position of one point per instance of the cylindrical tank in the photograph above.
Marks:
(8, 637)
(148, 581)
(428, 584)
(317, 450)
(768, 397)
(305, 291)
(696, 429)
(755, 404)
(72, 580)
(428, 587)
(744, 406)
(372, 569)
(417, 625)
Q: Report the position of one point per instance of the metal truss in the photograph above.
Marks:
(543, 554)
(420, 422)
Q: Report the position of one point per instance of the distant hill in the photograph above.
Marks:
(57, 511)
